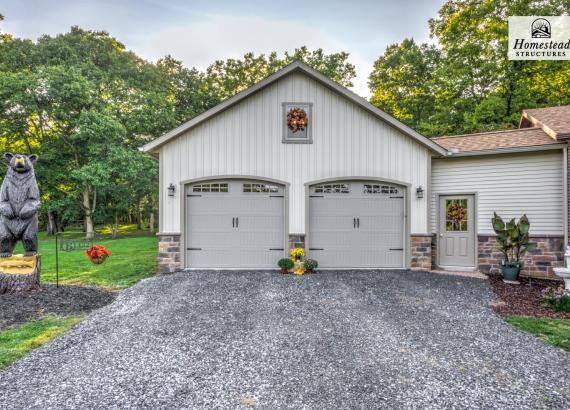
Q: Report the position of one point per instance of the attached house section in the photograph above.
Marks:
(512, 173)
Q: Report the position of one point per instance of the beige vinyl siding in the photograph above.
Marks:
(511, 185)
(246, 140)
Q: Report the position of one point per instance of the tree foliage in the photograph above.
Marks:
(85, 104)
(471, 86)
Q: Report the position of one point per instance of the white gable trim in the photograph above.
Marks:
(295, 66)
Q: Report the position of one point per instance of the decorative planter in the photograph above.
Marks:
(510, 273)
(98, 260)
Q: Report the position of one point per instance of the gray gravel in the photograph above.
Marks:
(334, 340)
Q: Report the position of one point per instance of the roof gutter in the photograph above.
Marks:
(497, 151)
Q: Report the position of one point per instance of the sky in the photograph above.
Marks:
(200, 32)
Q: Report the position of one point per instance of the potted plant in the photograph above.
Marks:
(98, 254)
(310, 265)
(285, 264)
(513, 238)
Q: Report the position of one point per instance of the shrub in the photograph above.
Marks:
(286, 264)
(310, 265)
(557, 299)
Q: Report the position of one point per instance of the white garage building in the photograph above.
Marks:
(298, 160)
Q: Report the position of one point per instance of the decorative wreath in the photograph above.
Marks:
(456, 213)
(297, 119)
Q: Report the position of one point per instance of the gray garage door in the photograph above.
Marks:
(357, 224)
(234, 224)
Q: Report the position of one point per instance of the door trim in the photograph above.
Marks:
(182, 190)
(438, 196)
(407, 199)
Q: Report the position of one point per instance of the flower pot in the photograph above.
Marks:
(510, 273)
(98, 260)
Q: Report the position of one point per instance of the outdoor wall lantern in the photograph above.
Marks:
(419, 192)
(171, 190)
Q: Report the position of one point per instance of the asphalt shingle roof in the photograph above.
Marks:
(555, 121)
(523, 137)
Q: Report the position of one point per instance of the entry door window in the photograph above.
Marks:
(457, 215)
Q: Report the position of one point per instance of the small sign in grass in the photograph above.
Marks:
(16, 343)
(553, 331)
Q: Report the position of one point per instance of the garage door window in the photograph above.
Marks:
(210, 188)
(333, 189)
(260, 188)
(380, 189)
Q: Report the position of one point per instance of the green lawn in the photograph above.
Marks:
(133, 257)
(16, 343)
(553, 331)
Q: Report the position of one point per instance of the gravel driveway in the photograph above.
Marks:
(334, 340)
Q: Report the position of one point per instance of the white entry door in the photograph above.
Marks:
(357, 224)
(234, 224)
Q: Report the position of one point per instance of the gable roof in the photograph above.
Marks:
(523, 139)
(555, 121)
(296, 66)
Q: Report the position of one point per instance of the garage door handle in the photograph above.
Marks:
(316, 249)
(237, 222)
(276, 249)
(193, 249)
(354, 222)
(358, 222)
(396, 249)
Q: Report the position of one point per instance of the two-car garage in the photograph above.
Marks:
(241, 224)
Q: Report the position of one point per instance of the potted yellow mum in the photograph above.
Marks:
(297, 255)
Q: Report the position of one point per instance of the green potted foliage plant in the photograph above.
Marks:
(513, 238)
(285, 264)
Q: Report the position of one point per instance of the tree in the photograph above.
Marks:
(401, 82)
(227, 78)
(85, 104)
(472, 86)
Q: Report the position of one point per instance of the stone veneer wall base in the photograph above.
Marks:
(537, 263)
(168, 252)
(421, 252)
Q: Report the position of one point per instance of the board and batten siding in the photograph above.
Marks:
(246, 140)
(511, 185)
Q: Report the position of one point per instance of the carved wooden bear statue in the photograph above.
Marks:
(19, 204)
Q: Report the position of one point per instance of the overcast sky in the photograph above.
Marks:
(199, 32)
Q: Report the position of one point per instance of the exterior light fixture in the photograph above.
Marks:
(419, 192)
(171, 190)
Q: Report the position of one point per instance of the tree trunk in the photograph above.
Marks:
(15, 282)
(89, 229)
(151, 222)
(139, 216)
(89, 201)
(51, 224)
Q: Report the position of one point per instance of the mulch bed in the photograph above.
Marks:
(20, 307)
(523, 299)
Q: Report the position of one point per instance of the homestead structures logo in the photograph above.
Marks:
(540, 28)
(539, 38)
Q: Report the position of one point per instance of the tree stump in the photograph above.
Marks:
(19, 273)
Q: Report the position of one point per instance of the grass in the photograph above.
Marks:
(553, 331)
(133, 257)
(16, 343)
